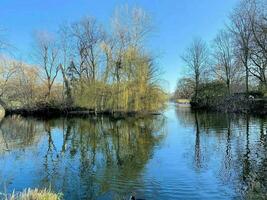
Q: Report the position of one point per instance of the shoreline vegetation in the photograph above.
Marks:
(87, 68)
(230, 74)
(75, 111)
(33, 194)
(237, 103)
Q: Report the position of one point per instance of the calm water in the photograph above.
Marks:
(180, 155)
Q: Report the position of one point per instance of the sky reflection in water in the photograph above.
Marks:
(179, 155)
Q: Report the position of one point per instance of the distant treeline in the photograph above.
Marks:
(87, 66)
(234, 63)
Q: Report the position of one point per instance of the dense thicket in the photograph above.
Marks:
(84, 65)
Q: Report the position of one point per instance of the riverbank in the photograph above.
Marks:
(50, 111)
(232, 104)
(183, 103)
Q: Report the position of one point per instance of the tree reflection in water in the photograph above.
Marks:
(83, 157)
(103, 158)
(243, 138)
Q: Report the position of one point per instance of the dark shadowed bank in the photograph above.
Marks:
(232, 105)
(214, 97)
(75, 111)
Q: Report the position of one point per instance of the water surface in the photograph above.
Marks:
(179, 155)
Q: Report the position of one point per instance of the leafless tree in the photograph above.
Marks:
(46, 51)
(224, 57)
(258, 55)
(131, 25)
(196, 59)
(241, 29)
(184, 88)
(65, 60)
(87, 36)
(7, 70)
(2, 44)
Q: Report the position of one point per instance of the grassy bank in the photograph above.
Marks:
(183, 101)
(33, 194)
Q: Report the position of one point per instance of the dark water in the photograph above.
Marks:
(180, 155)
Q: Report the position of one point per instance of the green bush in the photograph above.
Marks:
(209, 95)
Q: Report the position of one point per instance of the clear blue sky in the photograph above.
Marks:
(176, 22)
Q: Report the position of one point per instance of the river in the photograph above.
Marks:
(180, 154)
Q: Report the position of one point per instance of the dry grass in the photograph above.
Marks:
(34, 194)
(2, 112)
(183, 101)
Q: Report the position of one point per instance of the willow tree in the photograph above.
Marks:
(110, 70)
(132, 65)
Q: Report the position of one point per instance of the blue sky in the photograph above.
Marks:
(176, 23)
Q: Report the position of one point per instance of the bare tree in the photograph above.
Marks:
(2, 44)
(65, 60)
(7, 70)
(224, 58)
(46, 51)
(25, 84)
(131, 25)
(258, 65)
(196, 59)
(258, 23)
(241, 29)
(184, 88)
(87, 35)
(258, 55)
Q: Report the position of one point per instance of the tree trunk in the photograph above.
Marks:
(247, 90)
(67, 86)
(197, 85)
(228, 86)
(3, 104)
